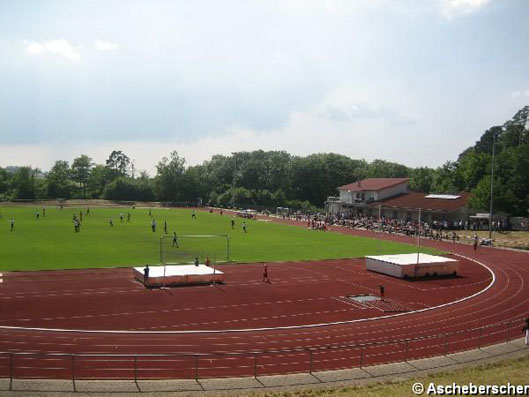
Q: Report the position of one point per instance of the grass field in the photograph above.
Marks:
(51, 243)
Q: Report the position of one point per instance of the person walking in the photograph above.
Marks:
(475, 243)
(265, 273)
(175, 240)
(146, 275)
(382, 291)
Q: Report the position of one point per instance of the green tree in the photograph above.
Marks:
(169, 178)
(24, 183)
(99, 177)
(387, 169)
(445, 179)
(422, 179)
(5, 182)
(58, 183)
(119, 163)
(81, 168)
(126, 189)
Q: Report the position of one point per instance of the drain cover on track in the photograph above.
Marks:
(363, 298)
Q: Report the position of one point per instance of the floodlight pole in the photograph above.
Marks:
(379, 226)
(418, 243)
(492, 182)
(162, 261)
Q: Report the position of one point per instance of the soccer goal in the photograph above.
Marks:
(187, 247)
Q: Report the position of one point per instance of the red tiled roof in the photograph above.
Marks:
(374, 184)
(419, 200)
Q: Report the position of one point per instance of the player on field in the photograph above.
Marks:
(244, 227)
(193, 215)
(165, 227)
(153, 225)
(233, 224)
(11, 224)
(111, 222)
(121, 216)
(38, 214)
(196, 261)
(128, 216)
(175, 241)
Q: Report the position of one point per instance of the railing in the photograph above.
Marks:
(25, 365)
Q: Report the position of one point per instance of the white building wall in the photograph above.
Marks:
(392, 191)
(346, 197)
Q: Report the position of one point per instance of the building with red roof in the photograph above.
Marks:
(393, 199)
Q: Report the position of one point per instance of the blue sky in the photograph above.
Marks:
(410, 81)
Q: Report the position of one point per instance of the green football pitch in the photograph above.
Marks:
(50, 242)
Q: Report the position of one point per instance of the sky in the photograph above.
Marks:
(414, 82)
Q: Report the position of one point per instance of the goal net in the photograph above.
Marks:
(187, 247)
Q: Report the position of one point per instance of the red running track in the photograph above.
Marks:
(299, 294)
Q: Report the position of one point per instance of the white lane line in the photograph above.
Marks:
(287, 327)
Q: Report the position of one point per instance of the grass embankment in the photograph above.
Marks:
(514, 371)
(51, 243)
(509, 239)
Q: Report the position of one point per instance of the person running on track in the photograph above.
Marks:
(265, 273)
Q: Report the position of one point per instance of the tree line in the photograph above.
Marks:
(276, 178)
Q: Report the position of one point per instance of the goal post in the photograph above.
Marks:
(187, 247)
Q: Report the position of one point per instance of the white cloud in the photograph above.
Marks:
(454, 8)
(60, 47)
(102, 45)
(34, 48)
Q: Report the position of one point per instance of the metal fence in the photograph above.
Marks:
(36, 365)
